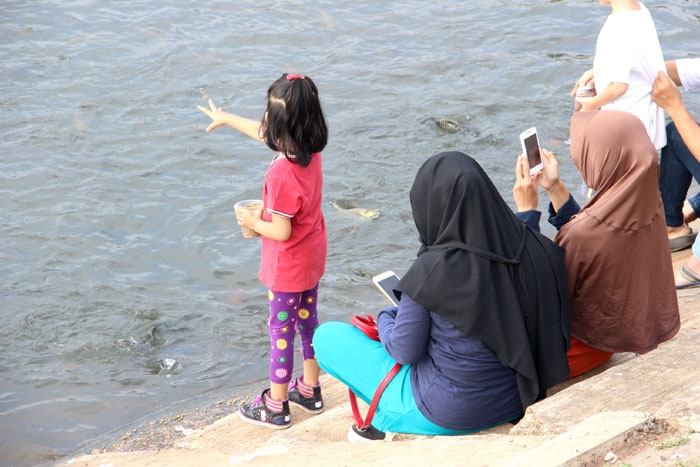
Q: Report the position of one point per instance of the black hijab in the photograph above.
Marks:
(488, 274)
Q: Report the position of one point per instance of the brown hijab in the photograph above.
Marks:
(623, 297)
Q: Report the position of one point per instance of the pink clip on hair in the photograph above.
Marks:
(293, 76)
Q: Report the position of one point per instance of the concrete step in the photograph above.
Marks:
(580, 421)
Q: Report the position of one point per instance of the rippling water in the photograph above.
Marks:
(126, 286)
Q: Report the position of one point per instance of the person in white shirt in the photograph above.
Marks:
(627, 59)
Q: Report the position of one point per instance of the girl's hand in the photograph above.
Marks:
(249, 217)
(524, 191)
(586, 79)
(218, 116)
(549, 176)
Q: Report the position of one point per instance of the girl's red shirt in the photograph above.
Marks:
(293, 191)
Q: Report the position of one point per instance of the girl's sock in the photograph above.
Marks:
(305, 389)
(273, 405)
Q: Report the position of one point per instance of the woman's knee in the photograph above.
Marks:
(329, 336)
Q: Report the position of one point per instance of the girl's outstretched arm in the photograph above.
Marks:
(219, 117)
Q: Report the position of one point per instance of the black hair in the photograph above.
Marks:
(294, 123)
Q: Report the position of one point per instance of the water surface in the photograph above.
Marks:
(126, 286)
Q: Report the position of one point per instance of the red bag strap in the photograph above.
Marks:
(364, 424)
(367, 325)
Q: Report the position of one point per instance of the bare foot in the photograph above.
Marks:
(693, 266)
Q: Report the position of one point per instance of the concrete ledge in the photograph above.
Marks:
(590, 438)
(683, 411)
(644, 383)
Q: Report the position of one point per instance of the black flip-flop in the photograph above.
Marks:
(682, 242)
(690, 276)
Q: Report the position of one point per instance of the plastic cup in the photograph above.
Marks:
(250, 204)
(583, 91)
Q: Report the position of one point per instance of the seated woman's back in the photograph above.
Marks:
(482, 327)
(456, 379)
(617, 252)
(487, 274)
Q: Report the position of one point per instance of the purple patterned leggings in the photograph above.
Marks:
(290, 312)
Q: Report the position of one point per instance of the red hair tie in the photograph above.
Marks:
(293, 76)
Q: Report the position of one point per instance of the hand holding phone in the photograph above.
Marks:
(387, 282)
(525, 189)
(531, 148)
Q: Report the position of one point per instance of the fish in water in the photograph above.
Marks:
(152, 336)
(369, 213)
(447, 124)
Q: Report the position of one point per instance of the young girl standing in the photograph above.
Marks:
(294, 240)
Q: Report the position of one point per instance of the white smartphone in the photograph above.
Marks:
(531, 147)
(387, 282)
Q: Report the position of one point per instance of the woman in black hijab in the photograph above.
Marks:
(482, 327)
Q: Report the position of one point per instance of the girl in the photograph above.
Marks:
(294, 239)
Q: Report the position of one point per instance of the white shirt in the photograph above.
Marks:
(689, 73)
(628, 51)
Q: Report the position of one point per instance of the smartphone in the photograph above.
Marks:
(387, 282)
(531, 147)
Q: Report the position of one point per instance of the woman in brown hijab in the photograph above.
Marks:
(623, 296)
